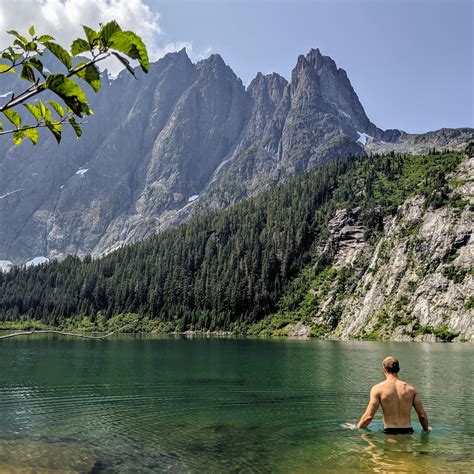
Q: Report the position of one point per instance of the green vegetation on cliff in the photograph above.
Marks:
(227, 271)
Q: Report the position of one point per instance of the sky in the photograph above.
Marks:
(411, 62)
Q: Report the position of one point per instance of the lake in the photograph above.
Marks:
(144, 403)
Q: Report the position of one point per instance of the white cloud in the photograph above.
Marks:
(63, 19)
(202, 55)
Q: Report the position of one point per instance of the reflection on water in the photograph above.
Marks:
(413, 453)
(156, 404)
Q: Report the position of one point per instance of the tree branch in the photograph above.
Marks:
(37, 88)
(61, 333)
(64, 120)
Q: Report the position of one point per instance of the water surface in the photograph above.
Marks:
(222, 405)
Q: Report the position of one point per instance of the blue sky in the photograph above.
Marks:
(410, 61)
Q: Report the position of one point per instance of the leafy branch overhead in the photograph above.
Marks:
(25, 59)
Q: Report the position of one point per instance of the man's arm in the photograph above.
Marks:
(420, 411)
(370, 411)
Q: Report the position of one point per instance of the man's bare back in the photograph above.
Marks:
(397, 398)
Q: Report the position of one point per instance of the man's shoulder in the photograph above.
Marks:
(408, 386)
(378, 387)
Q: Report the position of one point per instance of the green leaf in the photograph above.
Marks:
(45, 112)
(55, 128)
(34, 110)
(20, 37)
(13, 55)
(45, 38)
(32, 30)
(42, 108)
(1, 127)
(108, 30)
(32, 134)
(91, 75)
(31, 46)
(130, 44)
(77, 129)
(79, 46)
(27, 73)
(38, 65)
(125, 62)
(90, 34)
(18, 137)
(60, 53)
(70, 92)
(19, 44)
(13, 116)
(6, 68)
(57, 107)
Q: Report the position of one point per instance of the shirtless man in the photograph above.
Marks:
(397, 398)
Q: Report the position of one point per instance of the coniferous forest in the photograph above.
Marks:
(226, 270)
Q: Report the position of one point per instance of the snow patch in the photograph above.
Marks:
(82, 171)
(10, 193)
(363, 137)
(191, 199)
(61, 187)
(36, 261)
(5, 265)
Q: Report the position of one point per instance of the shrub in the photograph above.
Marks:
(456, 274)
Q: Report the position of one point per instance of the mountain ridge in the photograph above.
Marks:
(186, 138)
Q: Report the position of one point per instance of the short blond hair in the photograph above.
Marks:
(391, 365)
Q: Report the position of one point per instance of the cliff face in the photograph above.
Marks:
(414, 282)
(181, 140)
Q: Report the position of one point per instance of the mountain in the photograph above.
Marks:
(374, 247)
(412, 280)
(182, 140)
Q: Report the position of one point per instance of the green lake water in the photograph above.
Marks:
(145, 404)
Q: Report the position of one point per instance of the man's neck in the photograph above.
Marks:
(391, 376)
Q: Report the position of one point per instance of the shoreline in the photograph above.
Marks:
(81, 332)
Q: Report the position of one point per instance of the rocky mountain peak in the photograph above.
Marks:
(267, 79)
(179, 59)
(318, 61)
(270, 85)
(319, 79)
(215, 65)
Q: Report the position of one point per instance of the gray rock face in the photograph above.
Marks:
(184, 139)
(402, 142)
(416, 282)
(324, 114)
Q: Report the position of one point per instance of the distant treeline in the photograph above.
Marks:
(229, 269)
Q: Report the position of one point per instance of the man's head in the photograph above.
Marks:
(391, 365)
